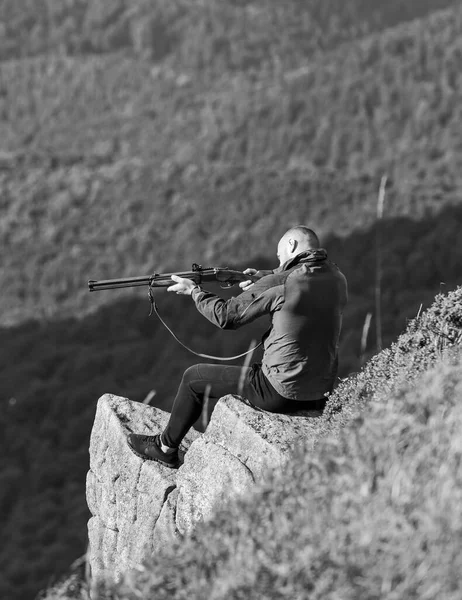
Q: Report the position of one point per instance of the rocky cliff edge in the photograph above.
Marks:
(139, 505)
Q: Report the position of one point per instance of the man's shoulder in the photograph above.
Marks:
(336, 269)
(271, 280)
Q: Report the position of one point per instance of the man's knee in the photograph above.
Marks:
(192, 373)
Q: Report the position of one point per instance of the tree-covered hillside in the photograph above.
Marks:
(117, 165)
(236, 34)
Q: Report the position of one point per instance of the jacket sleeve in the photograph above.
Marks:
(263, 298)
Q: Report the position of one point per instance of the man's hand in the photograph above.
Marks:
(245, 285)
(182, 286)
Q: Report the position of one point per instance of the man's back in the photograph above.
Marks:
(300, 358)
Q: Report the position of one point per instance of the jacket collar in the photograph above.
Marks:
(308, 256)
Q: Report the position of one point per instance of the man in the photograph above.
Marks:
(305, 297)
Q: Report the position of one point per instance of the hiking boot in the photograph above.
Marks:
(149, 447)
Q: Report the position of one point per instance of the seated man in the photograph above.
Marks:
(305, 297)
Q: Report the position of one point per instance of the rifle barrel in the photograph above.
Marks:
(156, 280)
(221, 274)
(110, 284)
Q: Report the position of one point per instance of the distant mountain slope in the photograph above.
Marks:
(111, 166)
(217, 34)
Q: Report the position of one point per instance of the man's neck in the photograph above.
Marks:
(302, 256)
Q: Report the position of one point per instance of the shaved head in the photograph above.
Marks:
(297, 239)
(304, 236)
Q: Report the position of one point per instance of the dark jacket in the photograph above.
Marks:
(305, 298)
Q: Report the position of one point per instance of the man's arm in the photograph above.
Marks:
(256, 274)
(263, 298)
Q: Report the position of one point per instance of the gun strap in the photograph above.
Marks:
(224, 359)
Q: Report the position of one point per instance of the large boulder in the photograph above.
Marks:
(139, 505)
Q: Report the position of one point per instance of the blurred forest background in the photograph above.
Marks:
(141, 136)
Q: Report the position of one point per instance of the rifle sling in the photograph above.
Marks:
(224, 359)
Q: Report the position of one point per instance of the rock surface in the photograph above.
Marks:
(138, 505)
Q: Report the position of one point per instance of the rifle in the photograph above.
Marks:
(225, 276)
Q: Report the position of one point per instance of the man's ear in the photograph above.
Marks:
(293, 244)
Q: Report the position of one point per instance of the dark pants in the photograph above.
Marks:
(220, 380)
